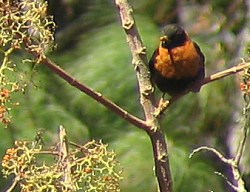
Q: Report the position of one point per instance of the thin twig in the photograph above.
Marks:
(241, 146)
(246, 111)
(64, 161)
(227, 180)
(233, 163)
(235, 167)
(241, 66)
(214, 77)
(13, 184)
(216, 152)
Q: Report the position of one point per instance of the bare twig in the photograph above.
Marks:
(214, 151)
(226, 179)
(64, 161)
(90, 92)
(13, 184)
(235, 162)
(235, 167)
(240, 186)
(246, 111)
(241, 66)
(209, 79)
(95, 95)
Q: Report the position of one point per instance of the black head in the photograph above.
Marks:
(174, 36)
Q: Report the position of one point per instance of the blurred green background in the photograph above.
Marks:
(91, 46)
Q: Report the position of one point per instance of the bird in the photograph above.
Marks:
(178, 62)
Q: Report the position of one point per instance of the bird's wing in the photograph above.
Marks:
(151, 65)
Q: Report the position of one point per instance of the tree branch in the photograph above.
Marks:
(13, 184)
(93, 94)
(64, 158)
(151, 125)
(214, 77)
(214, 151)
(240, 187)
(225, 73)
(234, 162)
(85, 89)
(160, 150)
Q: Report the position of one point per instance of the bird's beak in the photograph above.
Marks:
(164, 38)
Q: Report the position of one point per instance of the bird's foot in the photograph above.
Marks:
(162, 106)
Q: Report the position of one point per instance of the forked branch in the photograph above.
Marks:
(151, 123)
(238, 184)
(214, 77)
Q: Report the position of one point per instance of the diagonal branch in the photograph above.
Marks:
(93, 94)
(214, 77)
(85, 89)
(225, 73)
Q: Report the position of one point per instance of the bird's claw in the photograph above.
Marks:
(161, 107)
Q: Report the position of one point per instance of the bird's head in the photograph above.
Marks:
(173, 36)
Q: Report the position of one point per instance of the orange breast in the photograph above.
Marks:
(179, 62)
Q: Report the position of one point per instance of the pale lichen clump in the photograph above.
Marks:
(91, 168)
(24, 26)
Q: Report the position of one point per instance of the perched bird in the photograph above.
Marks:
(177, 63)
